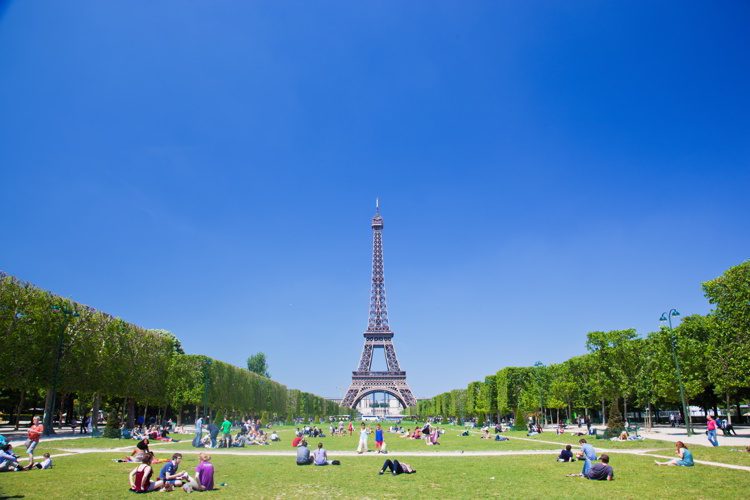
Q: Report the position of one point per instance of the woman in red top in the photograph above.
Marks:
(140, 477)
(35, 432)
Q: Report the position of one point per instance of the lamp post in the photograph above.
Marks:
(667, 316)
(49, 412)
(539, 367)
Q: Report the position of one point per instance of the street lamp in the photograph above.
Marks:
(49, 412)
(539, 367)
(668, 318)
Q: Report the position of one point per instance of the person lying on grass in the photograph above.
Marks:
(681, 450)
(139, 452)
(397, 468)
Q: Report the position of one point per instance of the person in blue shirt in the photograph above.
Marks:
(169, 474)
(379, 438)
(8, 460)
(686, 456)
(587, 454)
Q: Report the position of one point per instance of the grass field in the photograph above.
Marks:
(92, 474)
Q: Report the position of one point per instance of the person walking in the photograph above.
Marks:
(671, 419)
(711, 431)
(364, 434)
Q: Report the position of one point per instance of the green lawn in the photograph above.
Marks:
(95, 475)
(450, 441)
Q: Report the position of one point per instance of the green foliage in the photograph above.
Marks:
(106, 355)
(729, 346)
(257, 364)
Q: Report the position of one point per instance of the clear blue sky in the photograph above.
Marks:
(545, 169)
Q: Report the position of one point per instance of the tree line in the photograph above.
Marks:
(59, 350)
(623, 372)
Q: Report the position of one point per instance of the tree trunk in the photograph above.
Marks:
(729, 411)
(21, 401)
(625, 408)
(130, 419)
(145, 415)
(60, 411)
(49, 416)
(604, 414)
(179, 415)
(95, 414)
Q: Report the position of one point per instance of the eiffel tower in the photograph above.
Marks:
(378, 336)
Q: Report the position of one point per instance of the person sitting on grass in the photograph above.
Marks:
(140, 477)
(434, 436)
(587, 454)
(465, 433)
(601, 471)
(9, 460)
(204, 474)
(320, 457)
(44, 464)
(297, 440)
(681, 450)
(397, 467)
(169, 475)
(303, 454)
(566, 455)
(485, 433)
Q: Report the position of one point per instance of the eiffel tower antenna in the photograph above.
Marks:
(378, 336)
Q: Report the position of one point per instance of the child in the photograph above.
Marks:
(44, 464)
(378, 438)
(566, 455)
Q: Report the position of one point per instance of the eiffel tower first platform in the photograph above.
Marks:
(378, 336)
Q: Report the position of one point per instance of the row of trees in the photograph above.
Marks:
(57, 347)
(623, 371)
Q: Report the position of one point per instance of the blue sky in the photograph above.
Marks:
(545, 169)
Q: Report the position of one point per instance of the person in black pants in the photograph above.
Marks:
(397, 467)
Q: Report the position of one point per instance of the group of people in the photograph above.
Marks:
(603, 471)
(169, 476)
(10, 462)
(431, 434)
(249, 433)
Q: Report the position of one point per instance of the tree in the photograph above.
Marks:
(257, 364)
(729, 347)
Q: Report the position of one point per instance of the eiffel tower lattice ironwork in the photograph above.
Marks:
(378, 336)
